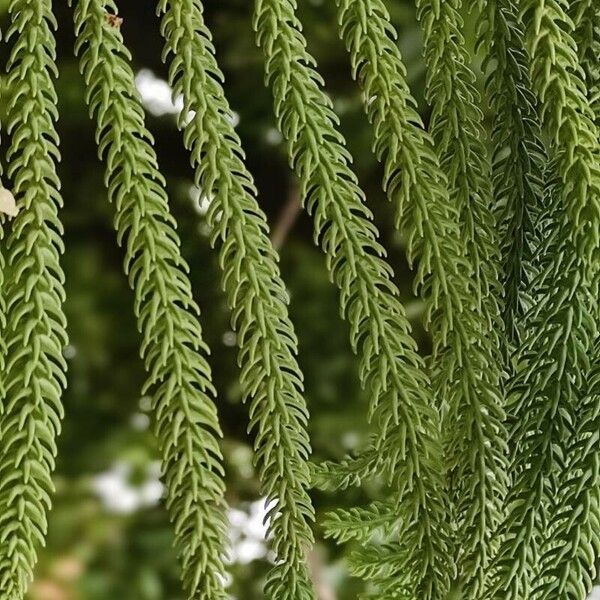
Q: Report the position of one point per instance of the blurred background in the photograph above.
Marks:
(109, 533)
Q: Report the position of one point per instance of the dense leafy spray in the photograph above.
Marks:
(519, 155)
(488, 450)
(569, 558)
(174, 354)
(567, 118)
(401, 402)
(271, 379)
(586, 17)
(34, 372)
(553, 359)
(465, 374)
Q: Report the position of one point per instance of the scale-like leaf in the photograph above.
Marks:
(33, 375)
(174, 353)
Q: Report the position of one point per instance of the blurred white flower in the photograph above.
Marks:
(248, 532)
(157, 95)
(119, 495)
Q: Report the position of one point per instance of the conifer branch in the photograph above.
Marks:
(3, 220)
(567, 119)
(553, 361)
(350, 472)
(361, 523)
(401, 404)
(179, 382)
(551, 368)
(569, 557)
(34, 372)
(413, 179)
(457, 129)
(586, 16)
(2, 307)
(271, 378)
(466, 358)
(519, 155)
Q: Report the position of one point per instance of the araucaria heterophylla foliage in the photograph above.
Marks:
(485, 452)
(271, 379)
(33, 373)
(552, 366)
(457, 285)
(402, 404)
(179, 382)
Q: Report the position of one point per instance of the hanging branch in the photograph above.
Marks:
(553, 361)
(457, 130)
(570, 556)
(413, 180)
(186, 422)
(519, 156)
(2, 310)
(34, 372)
(586, 16)
(390, 367)
(271, 378)
(466, 357)
(567, 119)
(551, 369)
(4, 207)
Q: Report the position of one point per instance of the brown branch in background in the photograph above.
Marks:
(287, 218)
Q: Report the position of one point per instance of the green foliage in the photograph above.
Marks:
(518, 152)
(465, 373)
(34, 336)
(551, 367)
(457, 128)
(567, 118)
(271, 378)
(586, 16)
(2, 304)
(173, 351)
(361, 523)
(401, 398)
(569, 557)
(553, 359)
(478, 466)
(474, 421)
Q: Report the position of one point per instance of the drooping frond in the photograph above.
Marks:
(519, 157)
(413, 179)
(569, 557)
(551, 367)
(185, 416)
(553, 360)
(3, 219)
(34, 372)
(349, 472)
(586, 16)
(466, 338)
(2, 303)
(457, 130)
(390, 368)
(271, 378)
(567, 118)
(361, 523)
